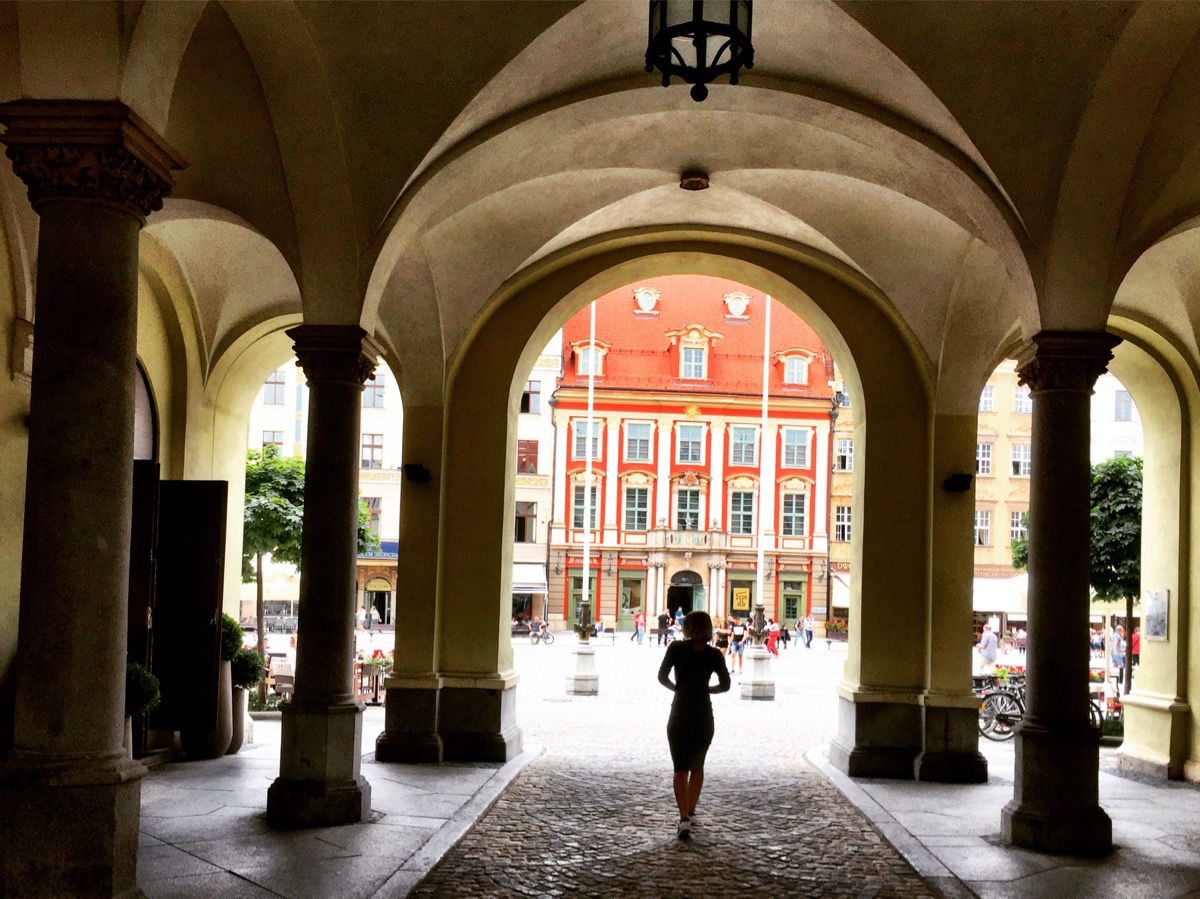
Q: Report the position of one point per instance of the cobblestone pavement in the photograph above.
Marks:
(594, 815)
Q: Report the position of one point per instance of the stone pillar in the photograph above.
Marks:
(69, 797)
(951, 750)
(319, 781)
(1055, 806)
(410, 728)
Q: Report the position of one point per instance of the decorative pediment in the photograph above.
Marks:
(780, 355)
(694, 334)
(795, 484)
(737, 306)
(690, 478)
(646, 299)
(579, 476)
(741, 482)
(638, 478)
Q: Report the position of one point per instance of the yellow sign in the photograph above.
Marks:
(741, 599)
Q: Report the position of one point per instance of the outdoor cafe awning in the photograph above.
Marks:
(1001, 595)
(528, 577)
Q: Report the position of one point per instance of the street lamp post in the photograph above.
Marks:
(835, 403)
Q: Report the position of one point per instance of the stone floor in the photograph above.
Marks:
(586, 810)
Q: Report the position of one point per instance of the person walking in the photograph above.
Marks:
(737, 644)
(773, 637)
(639, 626)
(1118, 653)
(987, 650)
(808, 631)
(664, 625)
(722, 635)
(690, 726)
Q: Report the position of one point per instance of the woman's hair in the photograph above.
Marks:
(697, 626)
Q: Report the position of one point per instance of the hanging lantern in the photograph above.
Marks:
(698, 40)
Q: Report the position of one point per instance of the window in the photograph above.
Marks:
(795, 448)
(272, 438)
(1123, 454)
(526, 524)
(987, 399)
(742, 446)
(1022, 402)
(687, 510)
(581, 442)
(527, 457)
(692, 358)
(983, 528)
(274, 388)
(374, 506)
(691, 443)
(577, 510)
(588, 361)
(372, 451)
(795, 370)
(637, 441)
(795, 506)
(1124, 406)
(531, 399)
(1022, 459)
(983, 458)
(741, 512)
(841, 524)
(637, 508)
(844, 460)
(1017, 527)
(373, 391)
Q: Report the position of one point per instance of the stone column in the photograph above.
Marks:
(1055, 806)
(319, 781)
(410, 729)
(69, 797)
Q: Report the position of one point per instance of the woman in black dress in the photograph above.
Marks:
(690, 727)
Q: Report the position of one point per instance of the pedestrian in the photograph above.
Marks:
(722, 635)
(773, 637)
(679, 617)
(987, 650)
(664, 624)
(737, 643)
(784, 636)
(639, 626)
(690, 726)
(808, 631)
(1118, 652)
(1135, 647)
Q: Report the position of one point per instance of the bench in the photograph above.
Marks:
(609, 635)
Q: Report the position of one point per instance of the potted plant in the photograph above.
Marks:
(246, 670)
(214, 744)
(141, 697)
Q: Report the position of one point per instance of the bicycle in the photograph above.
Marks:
(1003, 707)
(541, 636)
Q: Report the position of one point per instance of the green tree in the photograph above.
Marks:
(1116, 536)
(273, 521)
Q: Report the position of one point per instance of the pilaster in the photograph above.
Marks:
(320, 781)
(69, 797)
(1055, 806)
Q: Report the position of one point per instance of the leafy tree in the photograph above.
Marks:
(1116, 536)
(273, 521)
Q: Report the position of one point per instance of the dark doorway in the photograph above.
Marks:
(686, 591)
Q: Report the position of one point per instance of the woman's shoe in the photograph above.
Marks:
(683, 829)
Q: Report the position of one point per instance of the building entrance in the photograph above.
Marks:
(686, 591)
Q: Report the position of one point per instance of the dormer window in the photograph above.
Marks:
(692, 359)
(795, 370)
(736, 306)
(693, 342)
(646, 299)
(589, 357)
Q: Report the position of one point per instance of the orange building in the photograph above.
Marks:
(682, 473)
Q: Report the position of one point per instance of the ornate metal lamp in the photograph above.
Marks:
(698, 40)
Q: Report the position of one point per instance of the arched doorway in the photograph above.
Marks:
(685, 592)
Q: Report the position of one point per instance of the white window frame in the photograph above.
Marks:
(844, 459)
(789, 457)
(577, 510)
(1122, 406)
(1016, 529)
(795, 370)
(983, 527)
(1022, 401)
(1022, 463)
(734, 443)
(634, 511)
(687, 366)
(987, 399)
(983, 459)
(793, 522)
(643, 453)
(841, 524)
(680, 511)
(738, 512)
(578, 436)
(589, 360)
(679, 442)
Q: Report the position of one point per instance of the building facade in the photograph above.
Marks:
(683, 472)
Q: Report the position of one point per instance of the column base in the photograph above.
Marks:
(876, 739)
(584, 680)
(760, 684)
(319, 783)
(479, 724)
(70, 829)
(1055, 806)
(951, 753)
(410, 726)
(1156, 735)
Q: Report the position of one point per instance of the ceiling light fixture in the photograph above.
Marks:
(698, 40)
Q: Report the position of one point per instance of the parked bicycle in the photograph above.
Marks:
(541, 635)
(1002, 706)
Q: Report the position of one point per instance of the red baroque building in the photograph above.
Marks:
(682, 470)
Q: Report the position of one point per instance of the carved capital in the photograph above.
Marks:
(333, 354)
(1065, 360)
(96, 151)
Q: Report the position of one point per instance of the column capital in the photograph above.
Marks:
(97, 151)
(334, 353)
(1065, 360)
